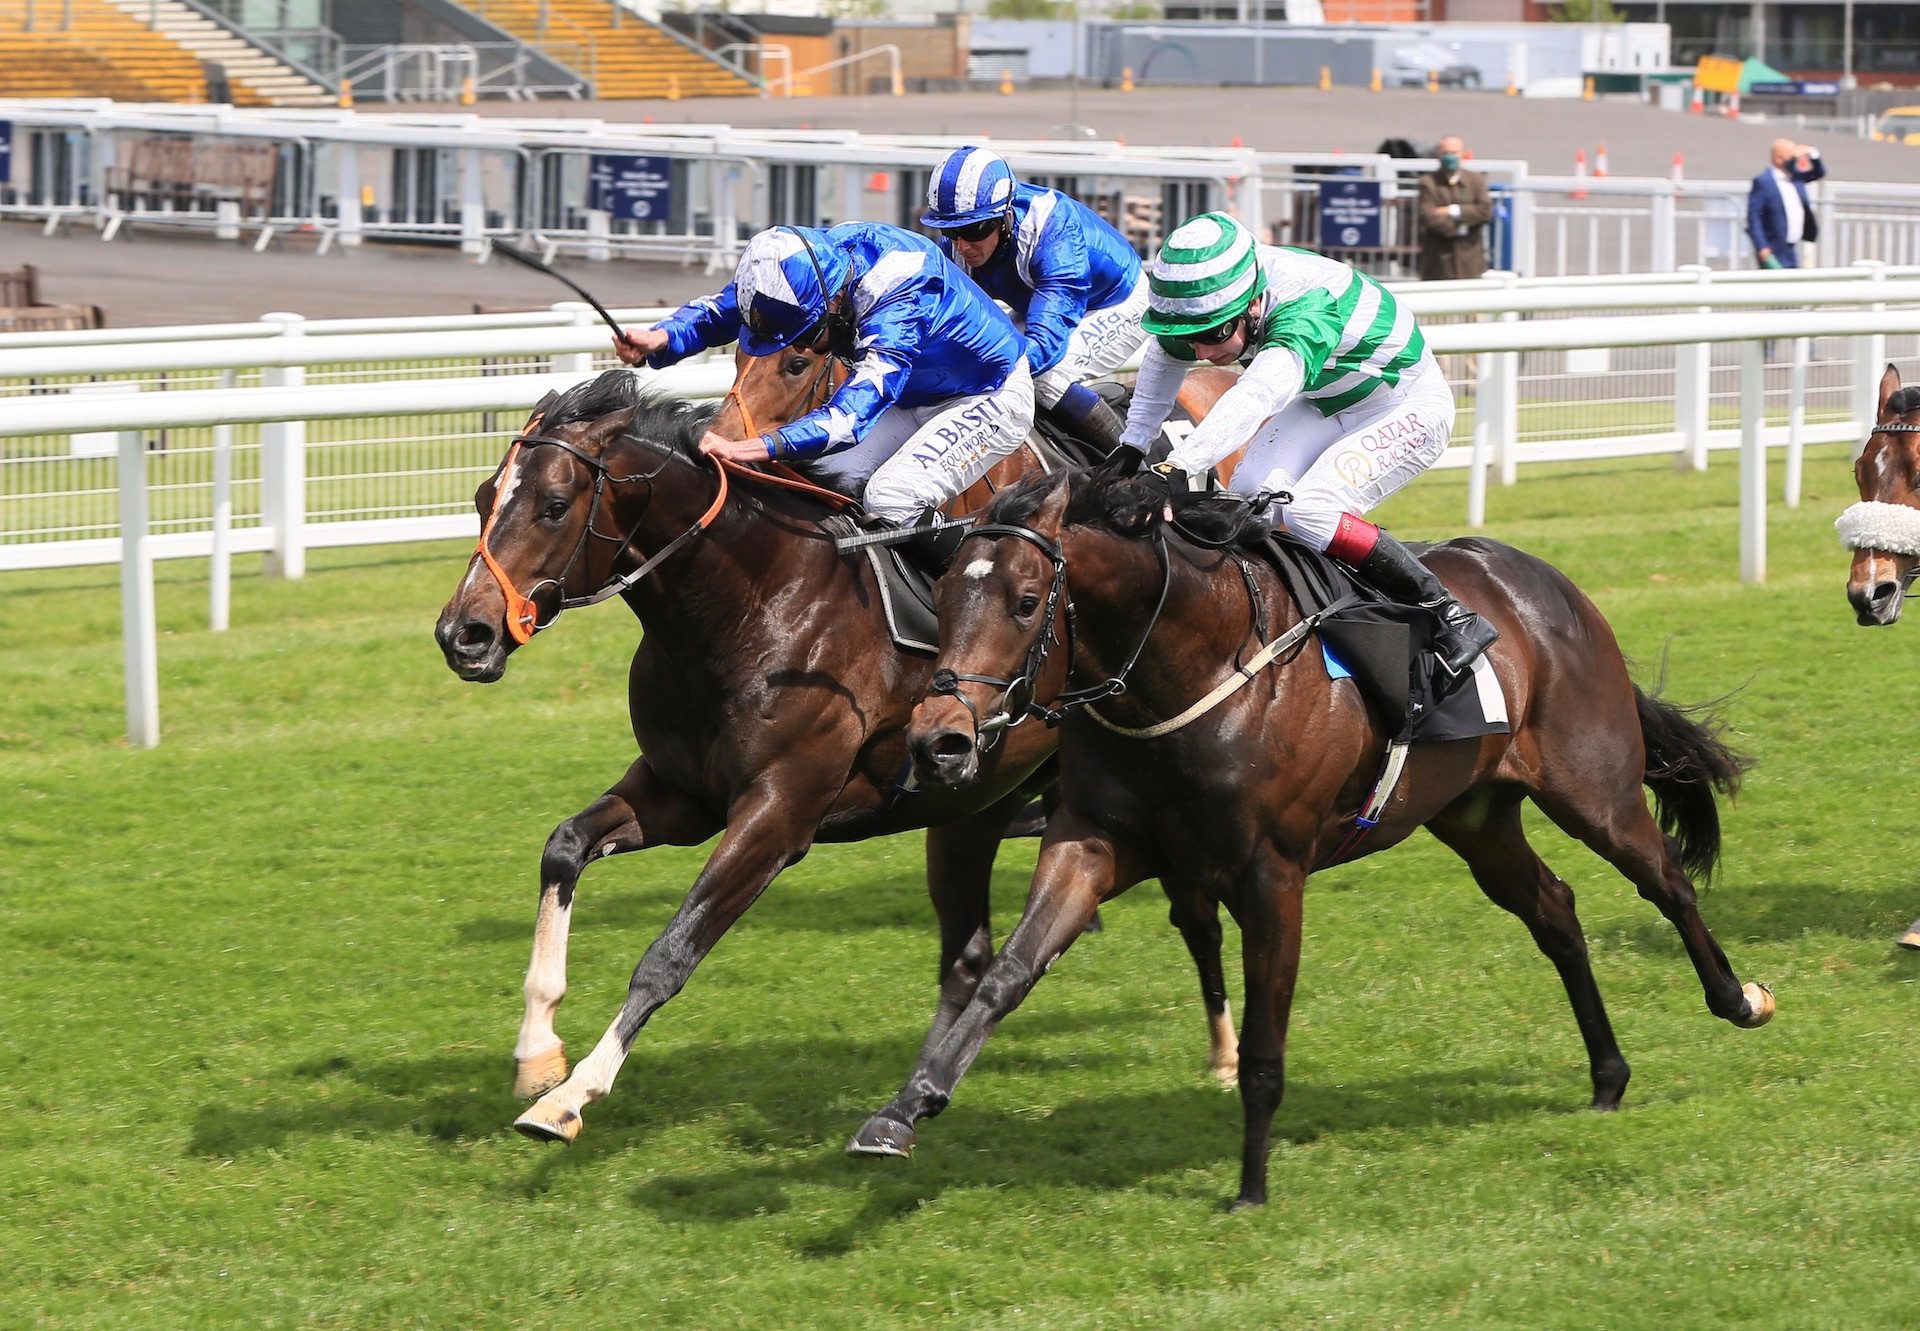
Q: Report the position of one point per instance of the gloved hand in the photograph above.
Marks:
(1126, 460)
(1771, 262)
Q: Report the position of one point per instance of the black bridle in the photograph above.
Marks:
(1017, 701)
(615, 585)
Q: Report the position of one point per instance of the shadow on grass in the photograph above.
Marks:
(468, 1097)
(1114, 1142)
(1778, 913)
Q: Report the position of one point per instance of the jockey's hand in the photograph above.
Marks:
(633, 348)
(734, 450)
(1126, 460)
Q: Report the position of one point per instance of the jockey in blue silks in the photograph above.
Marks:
(939, 389)
(1072, 281)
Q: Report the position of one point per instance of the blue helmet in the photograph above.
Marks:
(787, 278)
(970, 185)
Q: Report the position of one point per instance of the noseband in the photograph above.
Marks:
(523, 616)
(1874, 525)
(1017, 701)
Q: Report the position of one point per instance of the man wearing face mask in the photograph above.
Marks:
(1454, 212)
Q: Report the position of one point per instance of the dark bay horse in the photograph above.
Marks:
(1236, 801)
(1883, 529)
(766, 697)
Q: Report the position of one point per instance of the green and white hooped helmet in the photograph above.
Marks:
(1205, 274)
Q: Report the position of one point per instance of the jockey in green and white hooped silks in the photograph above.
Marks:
(1339, 402)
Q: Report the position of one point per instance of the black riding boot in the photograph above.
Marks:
(1102, 427)
(1086, 416)
(934, 546)
(1462, 635)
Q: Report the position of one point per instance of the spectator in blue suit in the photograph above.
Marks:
(1778, 214)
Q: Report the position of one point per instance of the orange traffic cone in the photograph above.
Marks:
(1600, 161)
(1579, 172)
(1698, 104)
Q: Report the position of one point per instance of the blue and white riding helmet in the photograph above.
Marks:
(788, 276)
(970, 185)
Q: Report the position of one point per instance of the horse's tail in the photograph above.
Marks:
(1687, 764)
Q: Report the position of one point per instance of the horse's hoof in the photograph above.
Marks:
(1245, 1204)
(1911, 938)
(549, 1123)
(882, 1136)
(534, 1077)
(1227, 1074)
(1760, 1005)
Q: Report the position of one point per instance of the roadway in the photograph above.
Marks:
(161, 278)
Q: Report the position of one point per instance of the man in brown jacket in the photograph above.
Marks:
(1454, 212)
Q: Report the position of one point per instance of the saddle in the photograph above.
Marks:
(906, 587)
(1385, 648)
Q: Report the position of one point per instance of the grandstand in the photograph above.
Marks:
(91, 48)
(619, 53)
(138, 50)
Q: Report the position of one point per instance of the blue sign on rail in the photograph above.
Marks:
(639, 189)
(1350, 214)
(6, 151)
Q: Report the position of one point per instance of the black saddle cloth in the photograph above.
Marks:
(906, 587)
(1388, 647)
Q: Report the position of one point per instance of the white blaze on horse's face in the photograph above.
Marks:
(509, 482)
(978, 569)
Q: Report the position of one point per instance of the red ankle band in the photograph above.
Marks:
(1354, 540)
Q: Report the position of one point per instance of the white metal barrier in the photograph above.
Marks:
(460, 178)
(289, 407)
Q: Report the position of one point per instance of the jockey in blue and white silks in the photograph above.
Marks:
(1073, 283)
(939, 389)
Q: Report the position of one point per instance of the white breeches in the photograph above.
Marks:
(917, 458)
(1105, 340)
(1349, 462)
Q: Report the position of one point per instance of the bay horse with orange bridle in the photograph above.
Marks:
(1232, 797)
(767, 697)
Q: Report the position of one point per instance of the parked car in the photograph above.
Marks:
(1412, 64)
(1899, 124)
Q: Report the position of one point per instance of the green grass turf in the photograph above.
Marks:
(262, 984)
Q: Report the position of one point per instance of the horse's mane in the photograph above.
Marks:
(675, 423)
(1904, 400)
(1130, 506)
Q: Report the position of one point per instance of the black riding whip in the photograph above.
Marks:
(520, 256)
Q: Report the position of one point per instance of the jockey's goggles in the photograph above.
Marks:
(1213, 337)
(972, 231)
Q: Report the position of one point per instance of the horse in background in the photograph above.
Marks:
(1234, 799)
(1883, 529)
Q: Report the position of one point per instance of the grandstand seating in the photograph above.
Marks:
(103, 52)
(108, 50)
(634, 58)
(255, 77)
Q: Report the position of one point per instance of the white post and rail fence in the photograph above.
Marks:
(1872, 307)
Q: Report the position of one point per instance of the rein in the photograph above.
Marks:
(1017, 702)
(523, 615)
